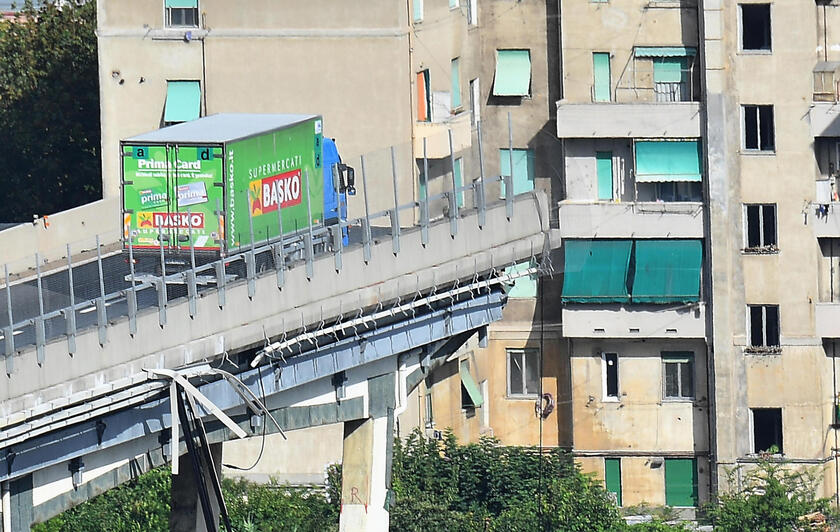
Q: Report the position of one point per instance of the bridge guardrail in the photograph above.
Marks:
(97, 283)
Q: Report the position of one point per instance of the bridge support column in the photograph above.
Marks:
(366, 464)
(365, 474)
(20, 508)
(186, 514)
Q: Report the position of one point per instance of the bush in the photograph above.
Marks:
(769, 497)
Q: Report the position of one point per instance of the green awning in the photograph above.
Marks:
(181, 3)
(513, 73)
(596, 271)
(471, 386)
(667, 160)
(667, 271)
(183, 101)
(665, 51)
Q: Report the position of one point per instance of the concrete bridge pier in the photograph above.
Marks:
(186, 514)
(366, 464)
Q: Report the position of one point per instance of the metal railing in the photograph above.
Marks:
(98, 282)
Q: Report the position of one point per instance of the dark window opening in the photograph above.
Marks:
(761, 227)
(764, 325)
(767, 430)
(182, 16)
(758, 128)
(611, 360)
(678, 375)
(755, 27)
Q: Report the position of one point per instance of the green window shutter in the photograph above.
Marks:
(681, 482)
(666, 160)
(596, 271)
(601, 76)
(513, 73)
(670, 69)
(469, 384)
(182, 3)
(453, 4)
(183, 101)
(667, 271)
(458, 171)
(456, 84)
(525, 286)
(605, 174)
(612, 477)
(418, 10)
(666, 51)
(523, 169)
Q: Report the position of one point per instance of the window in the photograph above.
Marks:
(755, 27)
(672, 67)
(604, 170)
(472, 12)
(612, 478)
(458, 178)
(418, 10)
(681, 482)
(453, 4)
(424, 97)
(455, 77)
(475, 101)
(523, 373)
(764, 325)
(523, 169)
(600, 77)
(767, 430)
(758, 128)
(470, 393)
(430, 419)
(610, 376)
(761, 228)
(182, 13)
(513, 73)
(678, 375)
(183, 102)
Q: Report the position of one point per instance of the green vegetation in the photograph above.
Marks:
(770, 496)
(49, 109)
(436, 485)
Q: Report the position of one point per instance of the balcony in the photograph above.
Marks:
(624, 120)
(437, 136)
(825, 119)
(631, 220)
(827, 320)
(637, 321)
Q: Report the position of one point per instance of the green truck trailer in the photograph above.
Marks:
(208, 185)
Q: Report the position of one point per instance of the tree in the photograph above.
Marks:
(49, 109)
(769, 497)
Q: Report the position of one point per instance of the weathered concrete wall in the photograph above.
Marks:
(799, 381)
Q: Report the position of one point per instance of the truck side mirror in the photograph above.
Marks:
(351, 181)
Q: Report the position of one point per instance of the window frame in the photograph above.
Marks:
(759, 150)
(765, 347)
(605, 396)
(428, 404)
(781, 430)
(167, 16)
(754, 51)
(762, 248)
(472, 13)
(679, 358)
(523, 351)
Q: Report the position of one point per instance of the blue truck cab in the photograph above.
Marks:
(339, 180)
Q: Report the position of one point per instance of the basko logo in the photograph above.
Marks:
(266, 194)
(174, 219)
